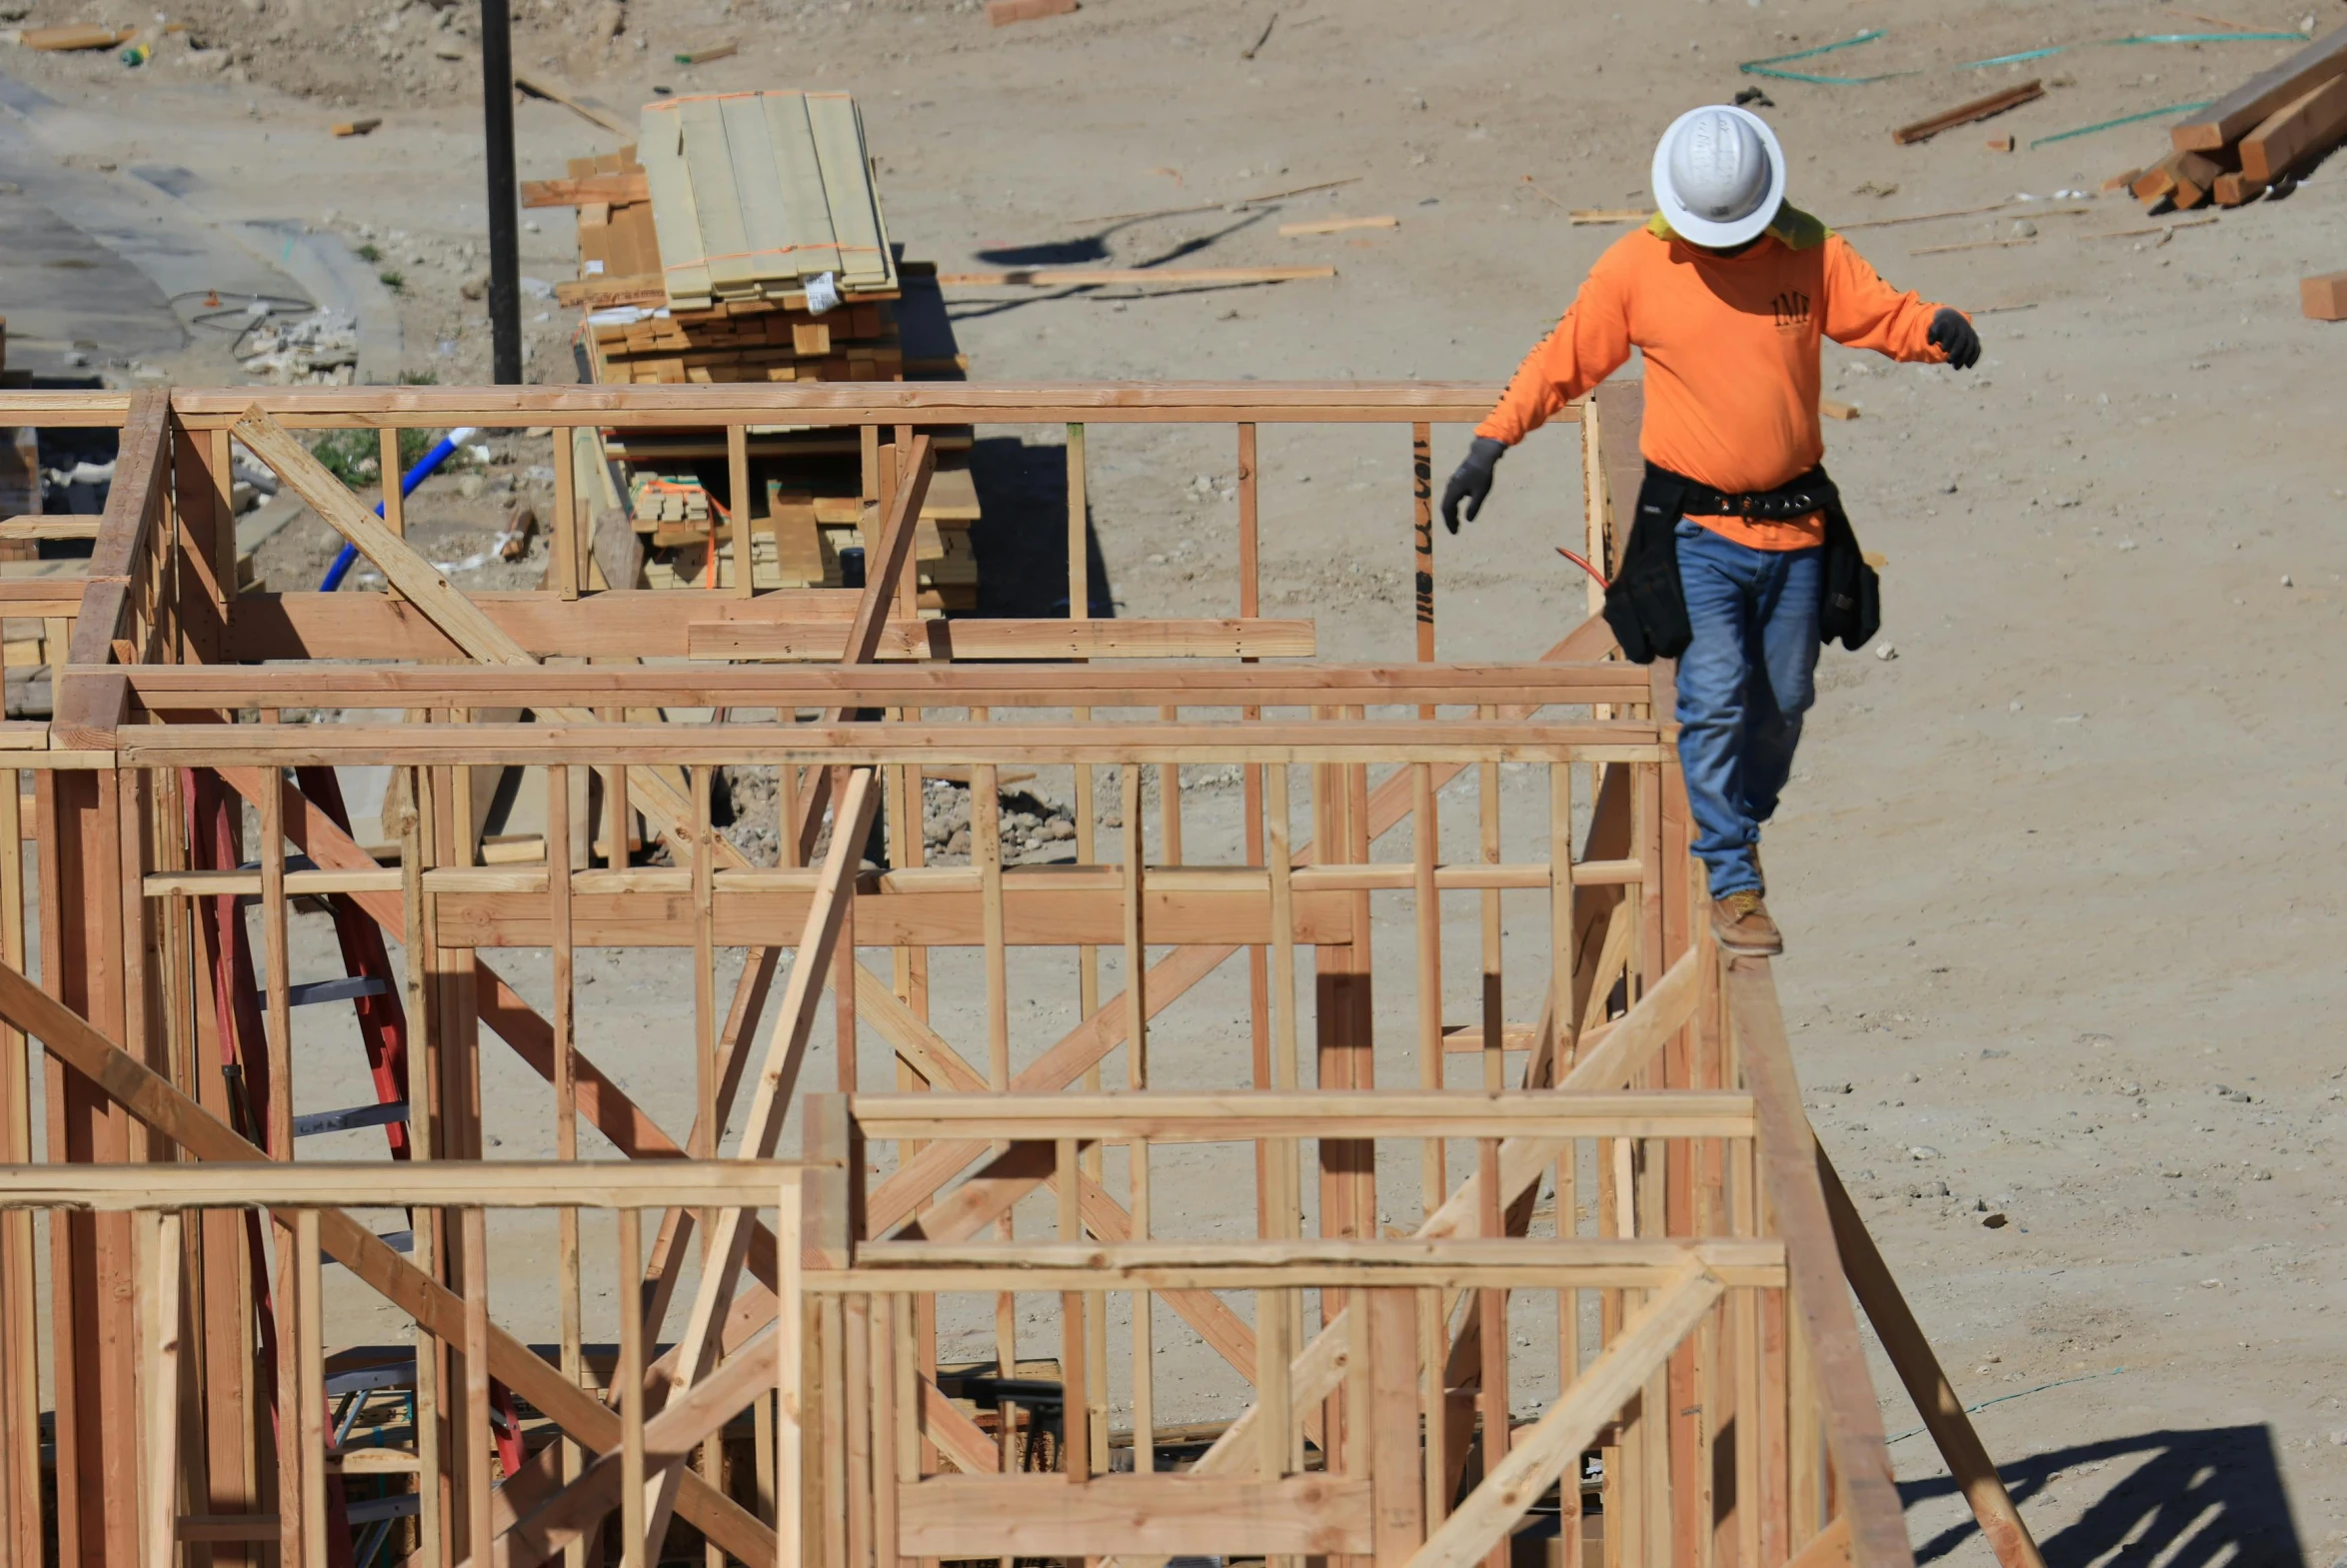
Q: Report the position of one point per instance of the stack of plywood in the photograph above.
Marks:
(756, 194)
(2263, 134)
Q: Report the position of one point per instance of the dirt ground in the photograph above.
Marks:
(2113, 600)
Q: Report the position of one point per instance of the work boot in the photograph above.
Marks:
(1742, 928)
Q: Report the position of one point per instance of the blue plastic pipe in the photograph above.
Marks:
(408, 482)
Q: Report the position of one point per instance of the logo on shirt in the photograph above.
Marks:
(1791, 308)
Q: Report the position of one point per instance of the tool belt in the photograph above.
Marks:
(1647, 608)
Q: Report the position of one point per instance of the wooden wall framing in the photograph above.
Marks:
(1627, 1147)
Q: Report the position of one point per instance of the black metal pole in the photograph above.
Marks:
(497, 127)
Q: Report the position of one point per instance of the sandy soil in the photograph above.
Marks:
(2061, 886)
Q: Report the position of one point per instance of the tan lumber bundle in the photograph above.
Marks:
(756, 195)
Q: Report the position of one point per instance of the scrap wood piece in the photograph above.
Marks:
(1001, 13)
(1609, 214)
(1974, 245)
(2305, 127)
(537, 84)
(2324, 297)
(1833, 409)
(701, 56)
(2231, 117)
(2149, 228)
(159, 1104)
(1923, 217)
(75, 36)
(1290, 231)
(1084, 277)
(1995, 103)
(2120, 181)
(585, 190)
(357, 127)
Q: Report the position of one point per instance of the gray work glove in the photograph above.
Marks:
(1470, 482)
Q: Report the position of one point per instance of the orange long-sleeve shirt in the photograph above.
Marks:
(1731, 346)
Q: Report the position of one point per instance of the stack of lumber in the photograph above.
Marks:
(2267, 131)
(808, 520)
(744, 342)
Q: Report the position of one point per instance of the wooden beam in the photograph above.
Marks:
(642, 746)
(2232, 116)
(1830, 1548)
(1937, 1400)
(1819, 1300)
(849, 404)
(1535, 1458)
(1243, 1115)
(1007, 639)
(1454, 1262)
(1044, 1516)
(321, 683)
(2305, 127)
(520, 1184)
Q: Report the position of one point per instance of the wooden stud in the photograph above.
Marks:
(635, 1550)
(308, 1390)
(1136, 1015)
(1074, 1377)
(20, 1465)
(159, 1243)
(791, 1388)
(744, 503)
(562, 530)
(1078, 529)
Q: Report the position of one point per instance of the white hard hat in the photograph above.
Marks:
(1718, 175)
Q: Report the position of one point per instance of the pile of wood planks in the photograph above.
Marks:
(744, 342)
(2257, 137)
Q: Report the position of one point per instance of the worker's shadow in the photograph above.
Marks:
(2182, 1499)
(1022, 533)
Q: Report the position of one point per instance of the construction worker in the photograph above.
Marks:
(1740, 561)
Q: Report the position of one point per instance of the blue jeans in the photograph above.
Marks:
(1744, 684)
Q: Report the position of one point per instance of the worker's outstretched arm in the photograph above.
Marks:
(1864, 312)
(1590, 343)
